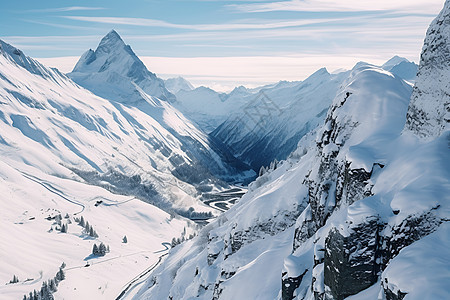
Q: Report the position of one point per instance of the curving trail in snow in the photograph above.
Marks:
(139, 279)
(48, 186)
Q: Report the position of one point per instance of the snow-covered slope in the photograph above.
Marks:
(174, 85)
(57, 141)
(360, 208)
(206, 107)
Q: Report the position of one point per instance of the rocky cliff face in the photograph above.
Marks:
(429, 112)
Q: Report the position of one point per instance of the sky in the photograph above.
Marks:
(223, 44)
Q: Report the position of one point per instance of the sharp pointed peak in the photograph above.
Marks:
(110, 40)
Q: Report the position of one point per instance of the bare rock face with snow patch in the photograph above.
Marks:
(429, 112)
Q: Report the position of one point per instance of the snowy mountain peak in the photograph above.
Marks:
(394, 61)
(174, 85)
(115, 62)
(110, 41)
(111, 53)
(429, 110)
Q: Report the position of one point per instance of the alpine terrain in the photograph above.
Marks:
(118, 184)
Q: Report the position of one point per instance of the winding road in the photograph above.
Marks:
(48, 186)
(133, 283)
(224, 200)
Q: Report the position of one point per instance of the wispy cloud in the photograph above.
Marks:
(59, 25)
(256, 24)
(417, 6)
(65, 9)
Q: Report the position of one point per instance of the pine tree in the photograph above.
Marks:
(91, 232)
(102, 249)
(66, 216)
(82, 223)
(60, 275)
(46, 294)
(35, 296)
(63, 228)
(14, 280)
(107, 249)
(124, 240)
(174, 242)
(52, 285)
(95, 249)
(63, 265)
(24, 297)
(262, 170)
(87, 227)
(58, 219)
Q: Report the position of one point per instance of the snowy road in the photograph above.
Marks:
(139, 279)
(48, 186)
(224, 200)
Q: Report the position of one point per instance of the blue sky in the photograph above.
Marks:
(224, 43)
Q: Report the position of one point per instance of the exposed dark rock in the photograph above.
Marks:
(271, 227)
(410, 230)
(351, 263)
(392, 293)
(290, 284)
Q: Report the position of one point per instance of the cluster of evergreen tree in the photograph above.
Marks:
(273, 166)
(192, 214)
(88, 228)
(48, 287)
(62, 227)
(177, 241)
(100, 250)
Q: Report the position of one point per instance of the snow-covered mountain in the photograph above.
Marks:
(401, 67)
(260, 125)
(66, 154)
(266, 123)
(359, 210)
(174, 85)
(272, 120)
(115, 73)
